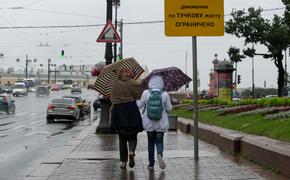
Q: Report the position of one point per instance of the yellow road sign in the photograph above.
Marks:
(194, 17)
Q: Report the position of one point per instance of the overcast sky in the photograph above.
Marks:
(146, 42)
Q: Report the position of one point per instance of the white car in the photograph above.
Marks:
(20, 89)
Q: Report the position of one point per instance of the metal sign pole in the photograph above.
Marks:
(195, 96)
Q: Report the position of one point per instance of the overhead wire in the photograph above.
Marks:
(63, 13)
(24, 36)
(32, 3)
(92, 25)
(95, 25)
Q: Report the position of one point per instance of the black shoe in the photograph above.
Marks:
(131, 159)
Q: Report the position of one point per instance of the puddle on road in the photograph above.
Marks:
(4, 124)
(69, 126)
(3, 130)
(57, 133)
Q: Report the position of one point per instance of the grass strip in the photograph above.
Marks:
(252, 124)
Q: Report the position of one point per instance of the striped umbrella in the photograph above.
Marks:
(105, 81)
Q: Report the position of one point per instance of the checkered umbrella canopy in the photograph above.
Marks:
(105, 81)
(173, 78)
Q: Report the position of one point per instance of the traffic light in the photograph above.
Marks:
(239, 79)
(62, 53)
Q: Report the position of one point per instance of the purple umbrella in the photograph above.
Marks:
(173, 78)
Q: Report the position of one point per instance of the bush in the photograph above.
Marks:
(280, 115)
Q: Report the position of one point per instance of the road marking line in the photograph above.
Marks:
(36, 122)
(20, 114)
(37, 132)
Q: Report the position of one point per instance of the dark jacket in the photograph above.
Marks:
(126, 118)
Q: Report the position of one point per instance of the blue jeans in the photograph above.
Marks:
(155, 138)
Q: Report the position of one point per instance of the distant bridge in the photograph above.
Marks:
(83, 78)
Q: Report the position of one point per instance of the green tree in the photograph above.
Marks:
(275, 35)
(235, 57)
(287, 13)
(234, 54)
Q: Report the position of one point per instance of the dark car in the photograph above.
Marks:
(8, 90)
(41, 91)
(97, 104)
(62, 108)
(7, 104)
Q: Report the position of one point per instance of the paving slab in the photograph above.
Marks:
(44, 170)
(96, 157)
(139, 154)
(59, 155)
(35, 178)
(177, 168)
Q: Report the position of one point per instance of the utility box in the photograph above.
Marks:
(172, 120)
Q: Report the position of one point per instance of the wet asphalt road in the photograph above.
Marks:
(26, 139)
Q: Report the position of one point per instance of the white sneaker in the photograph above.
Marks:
(123, 165)
(150, 168)
(161, 162)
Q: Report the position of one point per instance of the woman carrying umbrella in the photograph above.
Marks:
(125, 115)
(154, 126)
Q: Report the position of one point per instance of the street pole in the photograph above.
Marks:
(104, 124)
(253, 80)
(116, 24)
(236, 83)
(121, 33)
(108, 51)
(236, 75)
(185, 70)
(55, 75)
(286, 76)
(26, 66)
(48, 71)
(195, 96)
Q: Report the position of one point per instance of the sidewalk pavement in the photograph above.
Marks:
(90, 156)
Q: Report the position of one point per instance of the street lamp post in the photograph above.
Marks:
(108, 51)
(48, 71)
(26, 66)
(116, 4)
(104, 124)
(55, 73)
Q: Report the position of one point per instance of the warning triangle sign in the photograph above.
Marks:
(109, 34)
